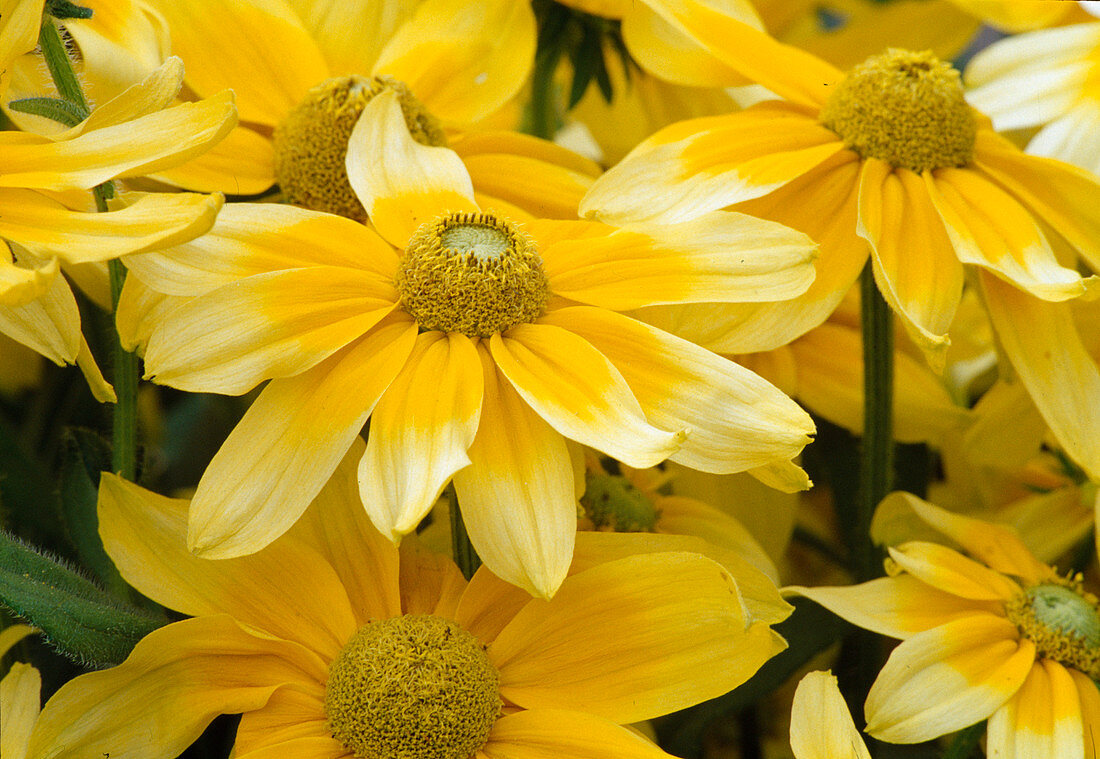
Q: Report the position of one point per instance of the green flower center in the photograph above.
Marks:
(906, 109)
(472, 273)
(412, 687)
(612, 502)
(311, 142)
(1062, 621)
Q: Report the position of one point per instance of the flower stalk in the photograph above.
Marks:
(125, 377)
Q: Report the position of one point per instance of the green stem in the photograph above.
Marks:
(877, 450)
(59, 64)
(965, 742)
(465, 555)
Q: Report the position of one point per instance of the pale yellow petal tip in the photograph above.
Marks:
(100, 387)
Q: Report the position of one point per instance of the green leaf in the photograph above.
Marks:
(66, 9)
(84, 455)
(77, 617)
(56, 109)
(585, 57)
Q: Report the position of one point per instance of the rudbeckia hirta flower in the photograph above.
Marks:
(40, 235)
(332, 641)
(475, 345)
(888, 159)
(994, 634)
(303, 73)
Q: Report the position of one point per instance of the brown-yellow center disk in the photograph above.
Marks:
(1062, 620)
(311, 143)
(412, 687)
(472, 273)
(614, 503)
(906, 109)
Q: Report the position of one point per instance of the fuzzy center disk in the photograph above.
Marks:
(904, 108)
(472, 273)
(311, 142)
(1062, 620)
(412, 687)
(614, 503)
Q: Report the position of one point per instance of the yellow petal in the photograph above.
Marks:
(922, 282)
(289, 442)
(243, 163)
(328, 22)
(821, 204)
(947, 678)
(821, 725)
(420, 431)
(488, 605)
(632, 639)
(1066, 138)
(758, 592)
(830, 370)
(291, 724)
(142, 146)
(787, 71)
(20, 696)
(899, 607)
(400, 182)
(950, 571)
(22, 282)
(517, 495)
(575, 388)
(687, 516)
(270, 325)
(151, 221)
(100, 387)
(996, 545)
(667, 51)
(737, 420)
(286, 590)
(545, 733)
(1090, 710)
(1063, 196)
(431, 583)
(701, 165)
(1046, 351)
(19, 33)
(990, 229)
(463, 59)
(259, 49)
(176, 680)
(336, 527)
(718, 257)
(153, 93)
(49, 325)
(1043, 718)
(139, 310)
(254, 238)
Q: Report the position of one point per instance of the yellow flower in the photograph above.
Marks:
(303, 73)
(997, 635)
(42, 233)
(1023, 15)
(821, 725)
(859, 162)
(310, 638)
(20, 692)
(1048, 79)
(477, 347)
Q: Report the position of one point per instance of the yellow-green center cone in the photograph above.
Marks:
(1062, 620)
(412, 687)
(473, 273)
(311, 142)
(612, 502)
(904, 108)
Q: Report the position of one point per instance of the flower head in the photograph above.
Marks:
(333, 641)
(476, 345)
(994, 634)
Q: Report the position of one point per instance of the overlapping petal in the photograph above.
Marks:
(517, 495)
(420, 431)
(278, 457)
(821, 725)
(540, 733)
(737, 420)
